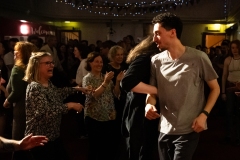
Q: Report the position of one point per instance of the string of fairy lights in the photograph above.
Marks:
(103, 7)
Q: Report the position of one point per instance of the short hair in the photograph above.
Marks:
(113, 51)
(90, 58)
(32, 73)
(108, 44)
(169, 21)
(31, 37)
(25, 50)
(13, 40)
(225, 42)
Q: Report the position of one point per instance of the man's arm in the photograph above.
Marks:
(199, 123)
(150, 109)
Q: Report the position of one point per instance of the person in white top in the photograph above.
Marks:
(230, 77)
(81, 52)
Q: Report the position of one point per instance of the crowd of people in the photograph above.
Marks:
(139, 100)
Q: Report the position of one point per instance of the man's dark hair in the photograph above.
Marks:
(13, 40)
(169, 21)
(31, 37)
(108, 44)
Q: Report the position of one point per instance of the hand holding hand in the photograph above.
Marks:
(85, 90)
(151, 112)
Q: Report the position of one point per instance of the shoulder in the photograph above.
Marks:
(159, 56)
(17, 69)
(34, 86)
(87, 77)
(195, 53)
(45, 48)
(228, 59)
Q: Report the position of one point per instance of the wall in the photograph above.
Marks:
(191, 36)
(100, 31)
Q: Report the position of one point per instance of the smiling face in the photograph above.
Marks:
(96, 65)
(162, 37)
(118, 58)
(46, 66)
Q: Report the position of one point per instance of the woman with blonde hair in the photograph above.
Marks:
(44, 106)
(17, 90)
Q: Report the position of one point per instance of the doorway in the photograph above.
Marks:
(66, 35)
(212, 39)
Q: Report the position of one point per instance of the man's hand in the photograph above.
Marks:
(200, 124)
(151, 112)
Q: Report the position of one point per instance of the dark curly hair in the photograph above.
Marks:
(169, 21)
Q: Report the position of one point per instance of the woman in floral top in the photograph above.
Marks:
(99, 110)
(44, 106)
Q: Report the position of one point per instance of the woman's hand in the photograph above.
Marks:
(76, 106)
(108, 77)
(31, 141)
(85, 90)
(120, 76)
(6, 104)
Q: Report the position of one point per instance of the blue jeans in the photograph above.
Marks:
(177, 147)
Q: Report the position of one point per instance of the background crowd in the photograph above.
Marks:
(101, 67)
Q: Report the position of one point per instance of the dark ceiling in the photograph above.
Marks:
(221, 11)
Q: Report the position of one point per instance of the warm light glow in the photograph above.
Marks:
(217, 26)
(24, 29)
(67, 21)
(214, 27)
(24, 21)
(230, 25)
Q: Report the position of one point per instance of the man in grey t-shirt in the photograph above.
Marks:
(179, 74)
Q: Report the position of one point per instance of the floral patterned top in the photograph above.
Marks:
(101, 108)
(44, 109)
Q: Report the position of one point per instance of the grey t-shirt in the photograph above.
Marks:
(180, 86)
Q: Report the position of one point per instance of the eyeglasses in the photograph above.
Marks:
(48, 63)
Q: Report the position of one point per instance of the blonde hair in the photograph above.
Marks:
(113, 51)
(146, 46)
(24, 51)
(32, 73)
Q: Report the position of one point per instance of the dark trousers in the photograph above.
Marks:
(102, 139)
(53, 150)
(177, 147)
